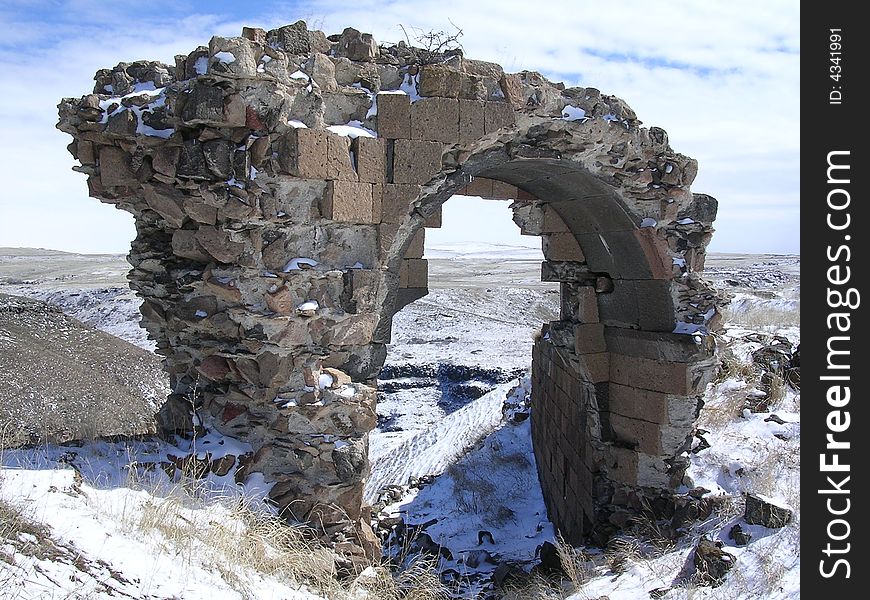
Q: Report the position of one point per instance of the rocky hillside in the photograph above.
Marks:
(63, 380)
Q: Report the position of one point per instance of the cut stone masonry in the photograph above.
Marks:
(281, 183)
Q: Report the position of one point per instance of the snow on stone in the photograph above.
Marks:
(297, 124)
(299, 75)
(648, 222)
(325, 380)
(685, 221)
(353, 129)
(573, 113)
(201, 65)
(309, 305)
(296, 263)
(225, 57)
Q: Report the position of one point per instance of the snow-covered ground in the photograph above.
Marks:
(85, 521)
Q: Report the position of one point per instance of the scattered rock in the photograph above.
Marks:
(712, 563)
(760, 511)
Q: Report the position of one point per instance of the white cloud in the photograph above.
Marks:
(721, 78)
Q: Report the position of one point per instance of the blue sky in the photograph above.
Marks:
(722, 79)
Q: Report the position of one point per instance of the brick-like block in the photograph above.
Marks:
(338, 158)
(435, 120)
(654, 375)
(638, 403)
(503, 191)
(587, 304)
(348, 202)
(645, 436)
(394, 116)
(417, 245)
(303, 152)
(415, 161)
(434, 220)
(396, 200)
(552, 222)
(655, 249)
(414, 273)
(498, 115)
(339, 161)
(115, 169)
(562, 246)
(440, 80)
(595, 367)
(479, 186)
(589, 338)
(371, 157)
(471, 120)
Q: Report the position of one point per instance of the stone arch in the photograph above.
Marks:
(274, 246)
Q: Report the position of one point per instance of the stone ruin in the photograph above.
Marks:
(281, 184)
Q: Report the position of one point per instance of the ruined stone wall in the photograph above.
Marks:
(281, 183)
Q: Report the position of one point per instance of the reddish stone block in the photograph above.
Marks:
(638, 403)
(349, 202)
(562, 247)
(587, 304)
(394, 116)
(589, 338)
(471, 120)
(498, 115)
(480, 186)
(435, 119)
(303, 153)
(397, 199)
(656, 251)
(595, 367)
(414, 273)
(645, 436)
(371, 156)
(433, 221)
(415, 161)
(654, 375)
(338, 158)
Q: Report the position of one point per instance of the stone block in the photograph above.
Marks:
(552, 222)
(115, 169)
(414, 273)
(349, 202)
(471, 121)
(167, 202)
(204, 105)
(371, 156)
(498, 115)
(587, 304)
(338, 158)
(595, 368)
(643, 435)
(415, 161)
(440, 80)
(479, 186)
(562, 247)
(417, 246)
(654, 375)
(655, 249)
(434, 220)
(394, 116)
(503, 191)
(303, 153)
(589, 338)
(435, 120)
(638, 403)
(397, 199)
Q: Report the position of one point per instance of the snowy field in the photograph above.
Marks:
(451, 458)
